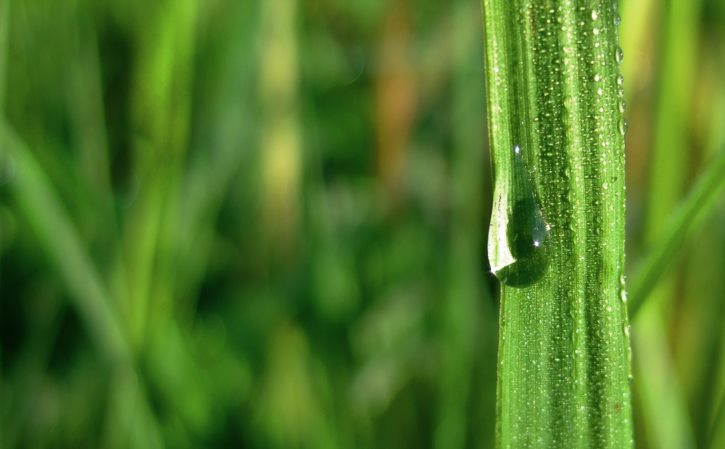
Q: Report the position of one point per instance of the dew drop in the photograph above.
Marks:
(518, 239)
(623, 289)
(595, 14)
(617, 19)
(622, 105)
(620, 80)
(619, 55)
(623, 126)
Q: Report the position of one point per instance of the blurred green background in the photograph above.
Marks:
(262, 223)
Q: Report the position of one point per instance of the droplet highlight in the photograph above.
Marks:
(518, 240)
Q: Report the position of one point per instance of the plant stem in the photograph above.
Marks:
(554, 89)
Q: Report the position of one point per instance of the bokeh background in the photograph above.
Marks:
(262, 224)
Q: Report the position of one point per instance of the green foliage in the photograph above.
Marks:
(262, 223)
(697, 204)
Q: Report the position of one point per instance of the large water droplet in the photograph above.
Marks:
(518, 239)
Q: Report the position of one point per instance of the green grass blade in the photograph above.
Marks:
(464, 309)
(716, 436)
(60, 239)
(698, 203)
(659, 392)
(4, 14)
(554, 90)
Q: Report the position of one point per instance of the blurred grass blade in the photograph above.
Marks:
(60, 239)
(463, 308)
(660, 392)
(4, 22)
(554, 91)
(716, 435)
(698, 203)
(160, 106)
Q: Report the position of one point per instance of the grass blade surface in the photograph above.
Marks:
(555, 92)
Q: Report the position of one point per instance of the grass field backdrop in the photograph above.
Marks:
(262, 223)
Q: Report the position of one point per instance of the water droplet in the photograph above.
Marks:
(623, 289)
(518, 240)
(623, 126)
(619, 55)
(597, 77)
(620, 80)
(621, 104)
(595, 14)
(617, 19)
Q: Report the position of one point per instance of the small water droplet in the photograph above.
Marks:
(618, 55)
(617, 19)
(623, 126)
(626, 330)
(620, 80)
(597, 77)
(621, 104)
(595, 14)
(518, 240)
